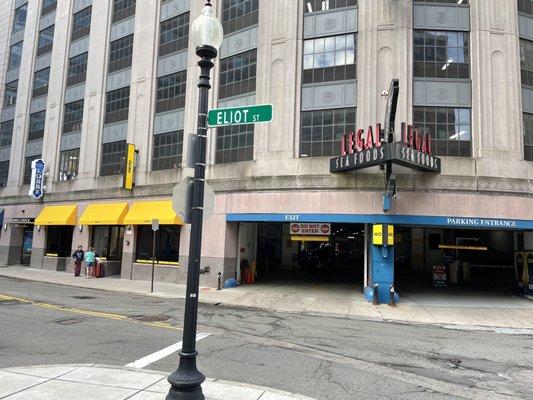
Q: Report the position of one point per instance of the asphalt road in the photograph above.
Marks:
(321, 357)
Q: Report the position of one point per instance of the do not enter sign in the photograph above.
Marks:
(310, 229)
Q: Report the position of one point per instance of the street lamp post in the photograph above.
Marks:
(186, 381)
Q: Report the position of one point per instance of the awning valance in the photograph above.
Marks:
(143, 212)
(104, 214)
(58, 215)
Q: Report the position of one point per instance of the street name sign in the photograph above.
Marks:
(260, 113)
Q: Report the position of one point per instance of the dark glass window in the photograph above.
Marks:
(73, 116)
(123, 9)
(15, 54)
(40, 82)
(20, 18)
(59, 240)
(441, 54)
(107, 241)
(330, 59)
(167, 244)
(525, 6)
(6, 133)
(68, 164)
(528, 136)
(171, 91)
(311, 6)
(48, 6)
(120, 53)
(321, 131)
(77, 69)
(174, 34)
(10, 97)
(81, 23)
(237, 74)
(27, 168)
(235, 143)
(239, 14)
(450, 129)
(167, 150)
(117, 105)
(113, 155)
(526, 62)
(37, 121)
(4, 171)
(46, 41)
(463, 2)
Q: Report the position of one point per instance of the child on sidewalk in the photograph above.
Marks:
(89, 261)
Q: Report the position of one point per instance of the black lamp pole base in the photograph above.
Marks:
(186, 381)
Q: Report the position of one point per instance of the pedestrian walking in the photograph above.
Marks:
(89, 262)
(78, 257)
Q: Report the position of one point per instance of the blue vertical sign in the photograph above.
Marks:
(37, 179)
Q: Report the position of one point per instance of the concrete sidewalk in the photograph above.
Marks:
(501, 312)
(94, 382)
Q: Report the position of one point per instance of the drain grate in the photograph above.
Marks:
(68, 321)
(84, 297)
(150, 318)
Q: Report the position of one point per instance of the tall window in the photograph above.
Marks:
(123, 9)
(117, 105)
(6, 133)
(441, 54)
(311, 6)
(48, 6)
(449, 129)
(20, 18)
(525, 6)
(167, 150)
(113, 155)
(73, 116)
(171, 91)
(235, 143)
(107, 241)
(528, 136)
(4, 171)
(167, 244)
(330, 59)
(59, 240)
(120, 53)
(322, 131)
(526, 62)
(81, 23)
(10, 96)
(46, 41)
(37, 121)
(40, 82)
(27, 168)
(239, 14)
(77, 69)
(174, 34)
(237, 74)
(15, 54)
(68, 164)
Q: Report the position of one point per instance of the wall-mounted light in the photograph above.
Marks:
(39, 228)
(5, 226)
(80, 228)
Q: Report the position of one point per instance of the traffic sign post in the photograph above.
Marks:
(155, 228)
(260, 113)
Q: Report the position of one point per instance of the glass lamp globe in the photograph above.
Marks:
(207, 29)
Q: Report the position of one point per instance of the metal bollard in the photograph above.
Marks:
(391, 296)
(219, 287)
(375, 300)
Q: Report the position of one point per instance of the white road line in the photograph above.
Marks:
(158, 355)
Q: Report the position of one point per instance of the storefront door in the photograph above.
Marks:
(27, 244)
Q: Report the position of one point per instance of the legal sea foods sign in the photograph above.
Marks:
(368, 149)
(37, 179)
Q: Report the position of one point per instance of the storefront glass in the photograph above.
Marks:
(166, 246)
(107, 241)
(59, 241)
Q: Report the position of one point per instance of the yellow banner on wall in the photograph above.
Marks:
(129, 167)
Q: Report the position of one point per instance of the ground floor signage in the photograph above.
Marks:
(310, 229)
(440, 278)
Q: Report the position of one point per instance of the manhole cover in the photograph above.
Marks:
(68, 321)
(9, 302)
(150, 318)
(83, 297)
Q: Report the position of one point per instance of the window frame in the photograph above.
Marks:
(4, 172)
(117, 109)
(234, 143)
(62, 234)
(36, 127)
(41, 90)
(333, 5)
(231, 22)
(124, 11)
(68, 168)
(48, 8)
(171, 97)
(109, 168)
(6, 132)
(167, 155)
(79, 31)
(69, 123)
(14, 65)
(16, 18)
(116, 256)
(27, 168)
(228, 68)
(180, 42)
(9, 89)
(120, 54)
(47, 46)
(80, 68)
(145, 237)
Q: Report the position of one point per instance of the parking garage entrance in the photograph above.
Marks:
(302, 252)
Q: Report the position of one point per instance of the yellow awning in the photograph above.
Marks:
(58, 215)
(104, 214)
(143, 212)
